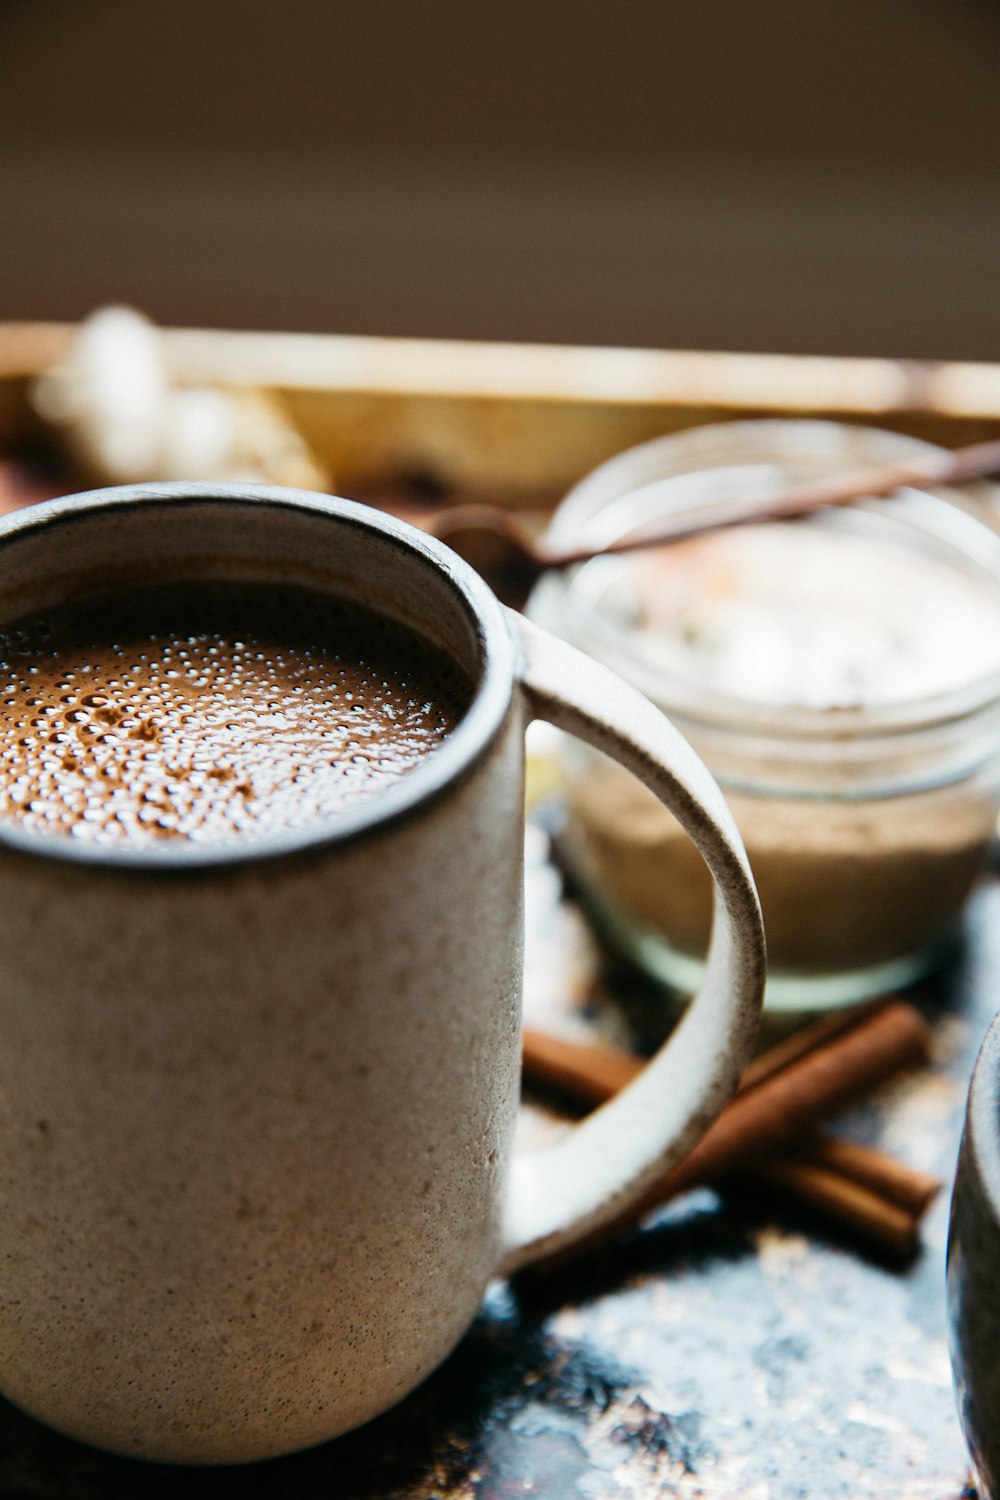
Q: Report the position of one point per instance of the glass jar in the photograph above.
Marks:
(840, 676)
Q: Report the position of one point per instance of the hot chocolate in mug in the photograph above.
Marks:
(257, 1096)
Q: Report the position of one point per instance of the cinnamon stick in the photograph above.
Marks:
(593, 1072)
(864, 1211)
(806, 1039)
(779, 1110)
(590, 1072)
(783, 1098)
(880, 1173)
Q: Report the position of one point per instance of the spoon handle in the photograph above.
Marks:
(955, 466)
(950, 466)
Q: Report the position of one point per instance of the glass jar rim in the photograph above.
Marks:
(928, 517)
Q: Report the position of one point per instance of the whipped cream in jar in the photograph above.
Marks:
(840, 675)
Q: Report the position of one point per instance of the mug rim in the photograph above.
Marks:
(448, 764)
(984, 1116)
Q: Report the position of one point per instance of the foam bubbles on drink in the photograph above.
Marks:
(209, 711)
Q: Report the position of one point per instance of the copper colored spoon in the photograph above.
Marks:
(955, 466)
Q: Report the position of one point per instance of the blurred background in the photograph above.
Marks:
(718, 174)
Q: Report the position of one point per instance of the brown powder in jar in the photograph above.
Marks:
(843, 885)
(820, 619)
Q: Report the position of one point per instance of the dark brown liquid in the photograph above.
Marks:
(211, 711)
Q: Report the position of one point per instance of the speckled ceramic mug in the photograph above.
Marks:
(256, 1100)
(974, 1270)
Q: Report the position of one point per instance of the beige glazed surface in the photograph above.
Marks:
(256, 1101)
(310, 1225)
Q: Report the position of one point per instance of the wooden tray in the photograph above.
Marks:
(725, 1349)
(522, 422)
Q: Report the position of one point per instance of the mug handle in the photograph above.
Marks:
(607, 1162)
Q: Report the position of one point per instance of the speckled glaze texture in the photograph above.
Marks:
(254, 1113)
(973, 1275)
(248, 1198)
(256, 1101)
